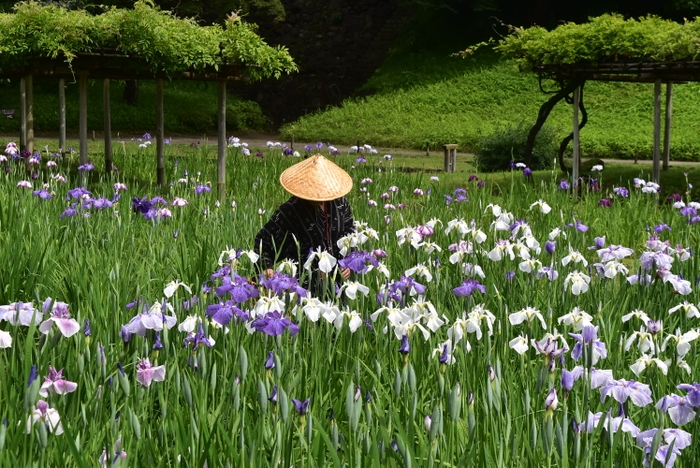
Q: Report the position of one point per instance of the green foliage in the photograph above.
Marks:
(606, 38)
(166, 43)
(496, 150)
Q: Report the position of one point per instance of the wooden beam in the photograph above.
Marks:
(577, 144)
(62, 116)
(30, 114)
(221, 156)
(23, 113)
(656, 175)
(83, 130)
(160, 134)
(107, 125)
(667, 125)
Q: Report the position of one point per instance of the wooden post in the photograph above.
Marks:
(62, 115)
(667, 125)
(107, 124)
(577, 142)
(450, 157)
(23, 113)
(657, 131)
(221, 161)
(30, 113)
(160, 133)
(83, 131)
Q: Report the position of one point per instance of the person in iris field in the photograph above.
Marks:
(315, 217)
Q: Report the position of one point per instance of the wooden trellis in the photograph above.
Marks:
(107, 66)
(572, 78)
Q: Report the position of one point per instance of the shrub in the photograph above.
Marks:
(496, 150)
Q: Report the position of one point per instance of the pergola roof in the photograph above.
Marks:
(633, 71)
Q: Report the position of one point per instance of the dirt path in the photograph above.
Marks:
(260, 140)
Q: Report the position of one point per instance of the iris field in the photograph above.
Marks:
(533, 325)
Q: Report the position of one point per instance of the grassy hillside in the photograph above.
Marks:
(423, 95)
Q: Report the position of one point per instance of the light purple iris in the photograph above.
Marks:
(550, 247)
(622, 389)
(621, 192)
(151, 319)
(55, 383)
(22, 313)
(693, 394)
(302, 407)
(43, 194)
(270, 361)
(564, 184)
(588, 339)
(77, 192)
(201, 189)
(223, 312)
(678, 408)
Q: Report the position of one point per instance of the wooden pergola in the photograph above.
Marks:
(573, 77)
(108, 65)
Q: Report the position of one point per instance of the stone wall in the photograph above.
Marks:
(337, 44)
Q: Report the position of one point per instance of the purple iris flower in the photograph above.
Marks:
(221, 272)
(444, 357)
(604, 202)
(472, 178)
(302, 407)
(674, 197)
(198, 339)
(187, 305)
(467, 287)
(77, 192)
(43, 194)
(510, 274)
(98, 203)
(201, 189)
(621, 192)
(157, 344)
(125, 334)
(224, 312)
(406, 286)
(550, 247)
(679, 408)
(693, 394)
(142, 205)
(32, 375)
(588, 339)
(564, 184)
(273, 396)
(688, 211)
(309, 147)
(622, 389)
(405, 347)
(87, 167)
(86, 328)
(239, 288)
(280, 283)
(270, 361)
(567, 381)
(527, 172)
(274, 323)
(661, 227)
(359, 262)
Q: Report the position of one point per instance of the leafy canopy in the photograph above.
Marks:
(607, 38)
(167, 44)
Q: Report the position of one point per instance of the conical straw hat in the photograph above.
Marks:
(316, 179)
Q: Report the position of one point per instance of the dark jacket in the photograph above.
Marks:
(312, 228)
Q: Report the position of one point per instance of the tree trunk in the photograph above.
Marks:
(131, 92)
(546, 108)
(565, 142)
